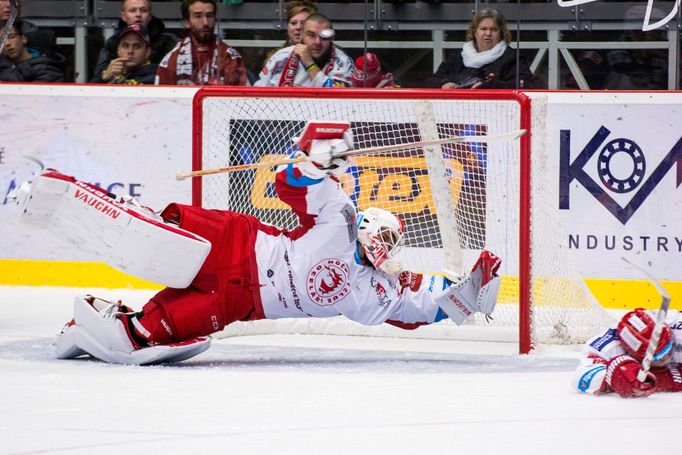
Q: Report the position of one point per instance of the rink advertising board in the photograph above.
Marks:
(615, 158)
(618, 158)
(128, 140)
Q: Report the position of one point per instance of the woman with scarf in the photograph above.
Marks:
(297, 13)
(486, 60)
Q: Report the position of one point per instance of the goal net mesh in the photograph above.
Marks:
(455, 199)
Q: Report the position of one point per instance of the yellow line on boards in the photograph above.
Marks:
(615, 294)
(69, 274)
(629, 294)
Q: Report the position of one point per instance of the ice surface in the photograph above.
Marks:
(307, 395)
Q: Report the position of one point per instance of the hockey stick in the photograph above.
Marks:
(13, 13)
(364, 151)
(658, 328)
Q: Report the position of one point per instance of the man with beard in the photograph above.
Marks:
(133, 12)
(315, 62)
(201, 57)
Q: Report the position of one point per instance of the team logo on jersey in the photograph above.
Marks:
(586, 379)
(605, 339)
(328, 281)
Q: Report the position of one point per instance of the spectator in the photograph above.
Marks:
(201, 57)
(639, 69)
(297, 12)
(136, 12)
(19, 63)
(368, 73)
(486, 60)
(44, 41)
(5, 10)
(132, 65)
(594, 69)
(315, 62)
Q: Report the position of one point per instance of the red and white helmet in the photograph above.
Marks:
(381, 235)
(635, 330)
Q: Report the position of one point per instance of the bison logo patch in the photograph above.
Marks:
(328, 282)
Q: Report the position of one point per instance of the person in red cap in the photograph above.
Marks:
(132, 65)
(613, 359)
(368, 73)
(136, 12)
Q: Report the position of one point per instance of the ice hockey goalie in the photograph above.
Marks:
(338, 261)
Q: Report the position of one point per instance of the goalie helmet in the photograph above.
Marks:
(634, 332)
(381, 235)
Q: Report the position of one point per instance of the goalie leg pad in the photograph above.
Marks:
(98, 330)
(120, 234)
(233, 236)
(65, 343)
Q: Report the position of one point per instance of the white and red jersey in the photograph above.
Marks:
(315, 271)
(336, 73)
(590, 375)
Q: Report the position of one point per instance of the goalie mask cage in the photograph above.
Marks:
(455, 199)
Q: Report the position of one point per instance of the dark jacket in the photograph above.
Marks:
(144, 74)
(161, 43)
(40, 68)
(504, 69)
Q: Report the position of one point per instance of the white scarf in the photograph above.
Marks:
(474, 59)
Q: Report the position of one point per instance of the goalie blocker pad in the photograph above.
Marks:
(126, 237)
(315, 131)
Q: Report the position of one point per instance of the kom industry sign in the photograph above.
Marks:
(618, 164)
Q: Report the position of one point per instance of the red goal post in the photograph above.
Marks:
(456, 199)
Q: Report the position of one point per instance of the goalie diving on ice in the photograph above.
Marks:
(221, 266)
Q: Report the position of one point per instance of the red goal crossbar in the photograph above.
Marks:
(525, 307)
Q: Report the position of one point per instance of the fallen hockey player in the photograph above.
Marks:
(338, 261)
(612, 360)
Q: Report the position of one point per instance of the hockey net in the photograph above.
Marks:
(455, 199)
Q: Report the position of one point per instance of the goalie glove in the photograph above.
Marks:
(476, 292)
(621, 377)
(320, 142)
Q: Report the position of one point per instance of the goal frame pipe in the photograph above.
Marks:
(525, 253)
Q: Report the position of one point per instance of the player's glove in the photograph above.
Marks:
(321, 157)
(668, 378)
(621, 377)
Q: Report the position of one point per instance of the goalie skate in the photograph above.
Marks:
(118, 232)
(99, 329)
